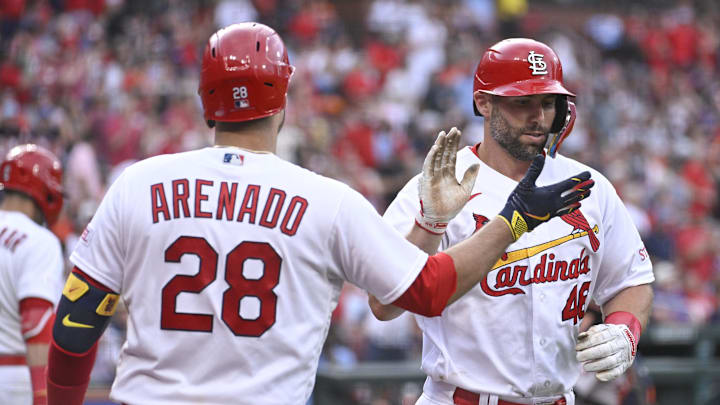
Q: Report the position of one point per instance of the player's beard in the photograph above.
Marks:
(508, 137)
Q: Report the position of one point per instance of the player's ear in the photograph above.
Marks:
(483, 102)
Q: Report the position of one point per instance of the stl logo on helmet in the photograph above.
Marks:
(537, 65)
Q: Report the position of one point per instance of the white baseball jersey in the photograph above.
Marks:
(513, 335)
(31, 266)
(230, 263)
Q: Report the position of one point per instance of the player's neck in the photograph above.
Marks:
(497, 158)
(256, 141)
(21, 204)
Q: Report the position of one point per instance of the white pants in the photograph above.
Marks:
(15, 387)
(439, 393)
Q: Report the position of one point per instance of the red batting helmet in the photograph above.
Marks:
(245, 74)
(35, 171)
(522, 67)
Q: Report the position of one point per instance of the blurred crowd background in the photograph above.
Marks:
(108, 82)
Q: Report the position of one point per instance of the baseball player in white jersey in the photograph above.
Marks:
(31, 271)
(513, 339)
(230, 260)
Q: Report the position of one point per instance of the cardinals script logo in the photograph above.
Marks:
(550, 268)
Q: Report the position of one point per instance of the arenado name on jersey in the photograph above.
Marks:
(175, 197)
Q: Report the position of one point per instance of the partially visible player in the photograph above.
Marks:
(31, 270)
(230, 260)
(514, 338)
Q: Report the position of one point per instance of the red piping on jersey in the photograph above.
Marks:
(92, 281)
(12, 360)
(474, 149)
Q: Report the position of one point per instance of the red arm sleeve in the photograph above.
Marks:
(68, 375)
(430, 292)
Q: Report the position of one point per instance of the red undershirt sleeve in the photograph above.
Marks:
(68, 375)
(37, 318)
(430, 292)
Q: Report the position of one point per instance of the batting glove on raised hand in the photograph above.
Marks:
(606, 349)
(529, 205)
(441, 196)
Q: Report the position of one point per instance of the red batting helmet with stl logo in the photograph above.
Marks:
(523, 67)
(519, 67)
(35, 171)
(245, 74)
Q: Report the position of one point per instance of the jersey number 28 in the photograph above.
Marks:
(239, 286)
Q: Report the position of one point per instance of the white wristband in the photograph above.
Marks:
(433, 225)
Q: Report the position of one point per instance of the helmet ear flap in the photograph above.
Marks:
(561, 113)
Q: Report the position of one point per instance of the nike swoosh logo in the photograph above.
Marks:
(473, 196)
(70, 324)
(543, 218)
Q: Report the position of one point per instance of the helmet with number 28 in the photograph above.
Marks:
(245, 74)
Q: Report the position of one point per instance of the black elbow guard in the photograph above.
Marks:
(83, 314)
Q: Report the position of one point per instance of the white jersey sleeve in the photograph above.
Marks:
(401, 212)
(625, 260)
(360, 238)
(40, 275)
(100, 250)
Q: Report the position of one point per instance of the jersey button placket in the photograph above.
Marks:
(537, 297)
(534, 309)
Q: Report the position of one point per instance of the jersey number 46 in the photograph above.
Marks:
(575, 303)
(239, 286)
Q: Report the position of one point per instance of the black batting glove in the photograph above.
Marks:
(529, 206)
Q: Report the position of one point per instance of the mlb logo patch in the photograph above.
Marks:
(86, 236)
(234, 159)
